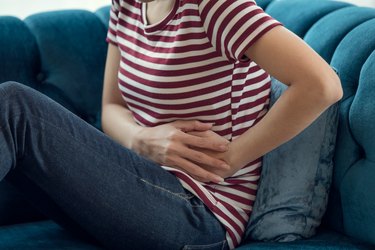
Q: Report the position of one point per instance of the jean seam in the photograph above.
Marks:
(183, 196)
(89, 149)
(179, 195)
(207, 246)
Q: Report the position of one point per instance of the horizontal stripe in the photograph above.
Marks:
(186, 67)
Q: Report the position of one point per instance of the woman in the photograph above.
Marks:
(185, 97)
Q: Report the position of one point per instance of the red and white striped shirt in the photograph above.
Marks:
(191, 65)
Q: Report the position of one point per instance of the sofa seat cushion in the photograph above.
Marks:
(40, 235)
(323, 240)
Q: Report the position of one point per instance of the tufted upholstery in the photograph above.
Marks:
(299, 15)
(62, 54)
(340, 33)
(355, 168)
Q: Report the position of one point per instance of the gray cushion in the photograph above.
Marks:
(296, 177)
(323, 240)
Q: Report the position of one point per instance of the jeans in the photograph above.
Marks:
(92, 185)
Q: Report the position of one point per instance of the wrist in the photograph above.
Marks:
(135, 139)
(235, 156)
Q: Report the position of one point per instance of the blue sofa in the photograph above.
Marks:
(62, 54)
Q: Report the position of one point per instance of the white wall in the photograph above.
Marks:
(369, 3)
(23, 8)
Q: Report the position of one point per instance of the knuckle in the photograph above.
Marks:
(168, 160)
(171, 150)
(174, 135)
(200, 142)
(206, 176)
(199, 157)
(214, 163)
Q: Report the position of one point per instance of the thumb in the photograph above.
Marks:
(192, 125)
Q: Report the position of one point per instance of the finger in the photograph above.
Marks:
(202, 158)
(205, 143)
(197, 172)
(210, 135)
(192, 125)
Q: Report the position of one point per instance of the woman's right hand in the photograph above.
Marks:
(171, 145)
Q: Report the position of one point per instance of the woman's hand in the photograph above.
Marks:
(224, 156)
(173, 145)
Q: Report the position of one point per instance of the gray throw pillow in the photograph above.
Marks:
(295, 181)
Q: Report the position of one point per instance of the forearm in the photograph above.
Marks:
(118, 123)
(293, 112)
(313, 87)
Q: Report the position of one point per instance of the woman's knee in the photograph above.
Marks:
(14, 95)
(12, 87)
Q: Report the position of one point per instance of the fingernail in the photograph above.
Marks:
(218, 179)
(224, 165)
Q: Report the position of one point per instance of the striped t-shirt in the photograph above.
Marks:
(191, 65)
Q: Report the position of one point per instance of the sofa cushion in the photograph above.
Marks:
(324, 240)
(298, 16)
(352, 198)
(296, 177)
(103, 15)
(326, 34)
(18, 52)
(40, 235)
(72, 52)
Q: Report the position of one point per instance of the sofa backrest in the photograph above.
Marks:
(344, 35)
(62, 54)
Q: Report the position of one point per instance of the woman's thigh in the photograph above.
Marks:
(122, 199)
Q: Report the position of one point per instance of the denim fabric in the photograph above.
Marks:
(324, 240)
(295, 181)
(88, 182)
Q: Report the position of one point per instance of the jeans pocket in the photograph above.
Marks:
(222, 245)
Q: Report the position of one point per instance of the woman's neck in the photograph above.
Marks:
(157, 10)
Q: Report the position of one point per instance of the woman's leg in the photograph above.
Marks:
(123, 200)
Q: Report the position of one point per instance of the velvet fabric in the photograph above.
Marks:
(326, 34)
(40, 235)
(18, 52)
(353, 189)
(72, 49)
(299, 16)
(264, 3)
(62, 55)
(324, 240)
(49, 235)
(348, 150)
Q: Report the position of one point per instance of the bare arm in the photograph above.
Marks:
(117, 120)
(166, 144)
(313, 87)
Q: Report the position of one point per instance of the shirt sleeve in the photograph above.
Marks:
(233, 26)
(113, 19)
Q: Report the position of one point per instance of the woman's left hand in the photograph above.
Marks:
(224, 156)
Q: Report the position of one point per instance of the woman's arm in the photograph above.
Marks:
(166, 144)
(117, 121)
(313, 87)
